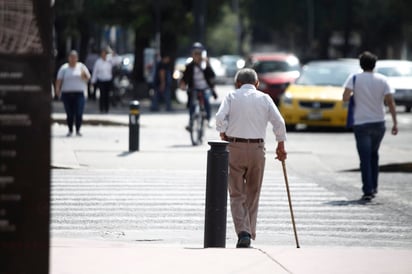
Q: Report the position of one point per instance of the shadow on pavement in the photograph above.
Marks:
(125, 153)
(352, 202)
(396, 167)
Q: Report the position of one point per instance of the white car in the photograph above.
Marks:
(399, 75)
(219, 69)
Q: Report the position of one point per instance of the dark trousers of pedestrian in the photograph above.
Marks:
(194, 95)
(368, 139)
(246, 169)
(105, 88)
(161, 96)
(74, 106)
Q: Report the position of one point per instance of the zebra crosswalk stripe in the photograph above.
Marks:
(168, 206)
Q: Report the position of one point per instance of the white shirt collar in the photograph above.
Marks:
(248, 86)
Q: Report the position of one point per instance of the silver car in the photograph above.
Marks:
(399, 75)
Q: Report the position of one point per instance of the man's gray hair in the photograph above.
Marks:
(246, 76)
(73, 53)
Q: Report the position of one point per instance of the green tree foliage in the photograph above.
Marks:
(306, 26)
(382, 24)
(81, 19)
(223, 35)
(302, 26)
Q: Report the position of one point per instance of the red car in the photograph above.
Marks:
(275, 71)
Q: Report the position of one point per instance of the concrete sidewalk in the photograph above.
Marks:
(83, 256)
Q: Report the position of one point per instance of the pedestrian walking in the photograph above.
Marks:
(242, 119)
(91, 59)
(103, 77)
(370, 92)
(162, 84)
(199, 77)
(71, 84)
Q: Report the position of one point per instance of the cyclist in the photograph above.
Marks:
(198, 77)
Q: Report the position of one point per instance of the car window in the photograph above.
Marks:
(274, 66)
(230, 60)
(325, 75)
(399, 71)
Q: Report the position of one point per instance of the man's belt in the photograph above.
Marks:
(242, 140)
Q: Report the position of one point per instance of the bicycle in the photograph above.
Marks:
(198, 118)
(122, 89)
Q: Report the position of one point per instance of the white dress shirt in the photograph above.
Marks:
(245, 113)
(102, 70)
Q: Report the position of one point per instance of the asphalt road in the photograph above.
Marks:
(100, 190)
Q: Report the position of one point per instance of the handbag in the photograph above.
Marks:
(351, 106)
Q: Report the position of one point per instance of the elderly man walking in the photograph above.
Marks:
(242, 120)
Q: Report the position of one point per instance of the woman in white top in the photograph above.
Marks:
(371, 92)
(71, 85)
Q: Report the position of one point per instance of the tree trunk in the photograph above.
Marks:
(141, 89)
(348, 28)
(324, 45)
(84, 40)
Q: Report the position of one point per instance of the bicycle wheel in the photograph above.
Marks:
(196, 133)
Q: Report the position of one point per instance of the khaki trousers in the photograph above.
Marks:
(246, 168)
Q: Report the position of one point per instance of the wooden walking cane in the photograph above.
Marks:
(290, 203)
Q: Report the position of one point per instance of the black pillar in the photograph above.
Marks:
(134, 125)
(216, 195)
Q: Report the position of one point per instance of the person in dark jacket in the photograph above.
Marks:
(199, 77)
(162, 84)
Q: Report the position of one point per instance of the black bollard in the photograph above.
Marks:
(216, 195)
(134, 115)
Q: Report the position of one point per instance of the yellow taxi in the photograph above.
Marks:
(315, 99)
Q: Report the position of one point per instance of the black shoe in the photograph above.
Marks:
(69, 134)
(243, 240)
(367, 197)
(78, 134)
